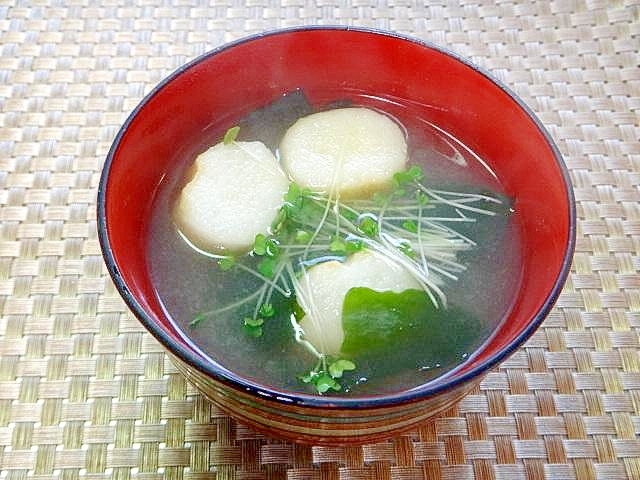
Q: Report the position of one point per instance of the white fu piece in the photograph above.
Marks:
(345, 152)
(234, 194)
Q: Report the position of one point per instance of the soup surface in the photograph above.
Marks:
(208, 303)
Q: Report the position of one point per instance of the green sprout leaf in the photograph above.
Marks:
(254, 322)
(354, 245)
(406, 177)
(303, 236)
(226, 263)
(324, 382)
(253, 326)
(325, 378)
(293, 194)
(260, 244)
(416, 173)
(410, 226)
(267, 267)
(294, 201)
(408, 250)
(309, 377)
(338, 245)
(369, 227)
(266, 310)
(265, 246)
(346, 247)
(231, 135)
(422, 198)
(272, 248)
(337, 368)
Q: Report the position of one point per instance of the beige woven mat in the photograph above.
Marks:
(86, 393)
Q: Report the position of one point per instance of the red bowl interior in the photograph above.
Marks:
(216, 89)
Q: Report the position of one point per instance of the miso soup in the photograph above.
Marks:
(241, 310)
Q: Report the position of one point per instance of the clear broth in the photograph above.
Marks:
(188, 283)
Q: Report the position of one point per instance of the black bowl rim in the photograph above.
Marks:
(308, 400)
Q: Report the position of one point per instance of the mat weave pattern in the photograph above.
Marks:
(86, 393)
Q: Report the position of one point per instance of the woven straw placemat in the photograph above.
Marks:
(86, 393)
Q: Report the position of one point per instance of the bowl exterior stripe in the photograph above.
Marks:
(312, 425)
